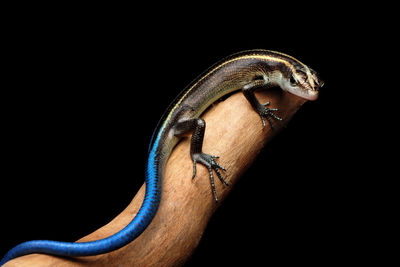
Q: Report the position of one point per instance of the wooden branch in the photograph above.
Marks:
(235, 133)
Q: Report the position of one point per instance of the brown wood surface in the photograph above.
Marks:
(235, 133)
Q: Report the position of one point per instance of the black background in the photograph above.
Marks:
(81, 100)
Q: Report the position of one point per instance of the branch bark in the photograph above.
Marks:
(235, 133)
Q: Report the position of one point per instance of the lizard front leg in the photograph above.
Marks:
(261, 109)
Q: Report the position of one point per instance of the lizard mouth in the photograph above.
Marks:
(308, 94)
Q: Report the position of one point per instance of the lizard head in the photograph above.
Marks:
(303, 82)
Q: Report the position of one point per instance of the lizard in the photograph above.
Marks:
(247, 71)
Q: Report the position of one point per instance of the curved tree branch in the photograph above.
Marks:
(235, 133)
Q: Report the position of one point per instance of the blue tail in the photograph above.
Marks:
(118, 240)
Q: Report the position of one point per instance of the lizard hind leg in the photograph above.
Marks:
(197, 127)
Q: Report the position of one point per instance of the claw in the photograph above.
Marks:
(213, 184)
(194, 169)
(219, 166)
(220, 177)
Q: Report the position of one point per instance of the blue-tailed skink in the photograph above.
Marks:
(245, 71)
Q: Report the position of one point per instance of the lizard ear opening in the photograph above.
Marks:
(292, 81)
(258, 78)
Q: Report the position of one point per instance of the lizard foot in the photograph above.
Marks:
(209, 162)
(267, 113)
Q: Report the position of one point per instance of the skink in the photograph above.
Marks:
(246, 71)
